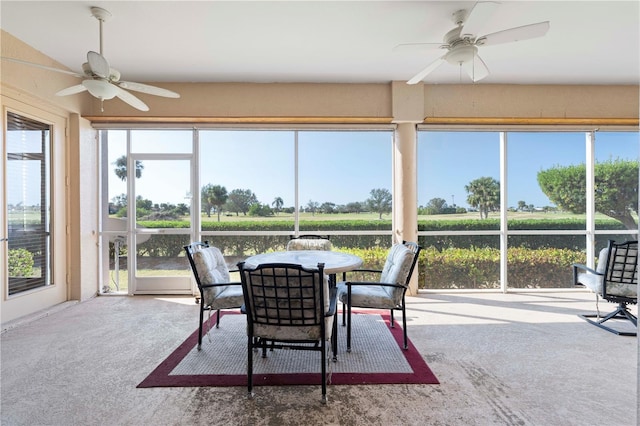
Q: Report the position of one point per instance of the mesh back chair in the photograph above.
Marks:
(291, 307)
(615, 280)
(212, 276)
(309, 242)
(388, 293)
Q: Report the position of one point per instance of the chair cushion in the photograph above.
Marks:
(593, 281)
(309, 244)
(629, 271)
(212, 269)
(367, 296)
(396, 270)
(224, 297)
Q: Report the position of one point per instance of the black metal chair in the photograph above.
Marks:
(309, 242)
(388, 293)
(212, 276)
(615, 279)
(290, 307)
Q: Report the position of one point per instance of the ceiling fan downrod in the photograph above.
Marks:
(102, 16)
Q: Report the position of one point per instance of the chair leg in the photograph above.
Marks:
(249, 368)
(323, 369)
(621, 312)
(334, 339)
(349, 321)
(393, 323)
(404, 325)
(218, 318)
(344, 310)
(200, 329)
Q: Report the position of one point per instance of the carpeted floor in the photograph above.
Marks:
(376, 358)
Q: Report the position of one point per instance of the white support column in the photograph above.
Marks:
(405, 203)
(590, 204)
(504, 204)
(408, 110)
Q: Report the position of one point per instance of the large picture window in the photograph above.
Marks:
(251, 191)
(545, 220)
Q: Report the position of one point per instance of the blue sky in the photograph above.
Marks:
(447, 161)
(345, 166)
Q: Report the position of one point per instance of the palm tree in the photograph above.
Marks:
(277, 204)
(121, 168)
(484, 194)
(213, 196)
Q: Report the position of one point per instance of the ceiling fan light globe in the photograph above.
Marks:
(101, 89)
(461, 54)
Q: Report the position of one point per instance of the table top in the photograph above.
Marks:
(334, 261)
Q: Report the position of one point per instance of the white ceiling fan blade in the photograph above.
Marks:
(98, 64)
(478, 16)
(71, 90)
(44, 67)
(145, 88)
(476, 69)
(515, 34)
(131, 99)
(416, 47)
(428, 70)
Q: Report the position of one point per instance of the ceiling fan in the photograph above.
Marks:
(462, 42)
(102, 81)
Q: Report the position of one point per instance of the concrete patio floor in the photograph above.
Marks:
(522, 358)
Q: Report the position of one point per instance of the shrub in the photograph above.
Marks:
(20, 263)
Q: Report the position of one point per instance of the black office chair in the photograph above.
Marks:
(615, 279)
(291, 307)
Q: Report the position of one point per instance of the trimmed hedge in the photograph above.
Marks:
(446, 262)
(480, 268)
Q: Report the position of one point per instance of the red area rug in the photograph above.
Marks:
(376, 357)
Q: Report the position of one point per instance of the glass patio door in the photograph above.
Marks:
(161, 224)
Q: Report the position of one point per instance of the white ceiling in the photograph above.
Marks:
(589, 42)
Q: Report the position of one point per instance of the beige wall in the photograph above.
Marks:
(265, 103)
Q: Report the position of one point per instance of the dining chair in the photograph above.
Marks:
(288, 307)
(214, 283)
(309, 242)
(387, 293)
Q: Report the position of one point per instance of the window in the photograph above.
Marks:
(548, 222)
(28, 203)
(250, 190)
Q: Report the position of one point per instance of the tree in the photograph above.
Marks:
(328, 207)
(522, 205)
(213, 196)
(121, 168)
(354, 207)
(312, 206)
(379, 201)
(240, 200)
(277, 204)
(616, 189)
(436, 206)
(484, 194)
